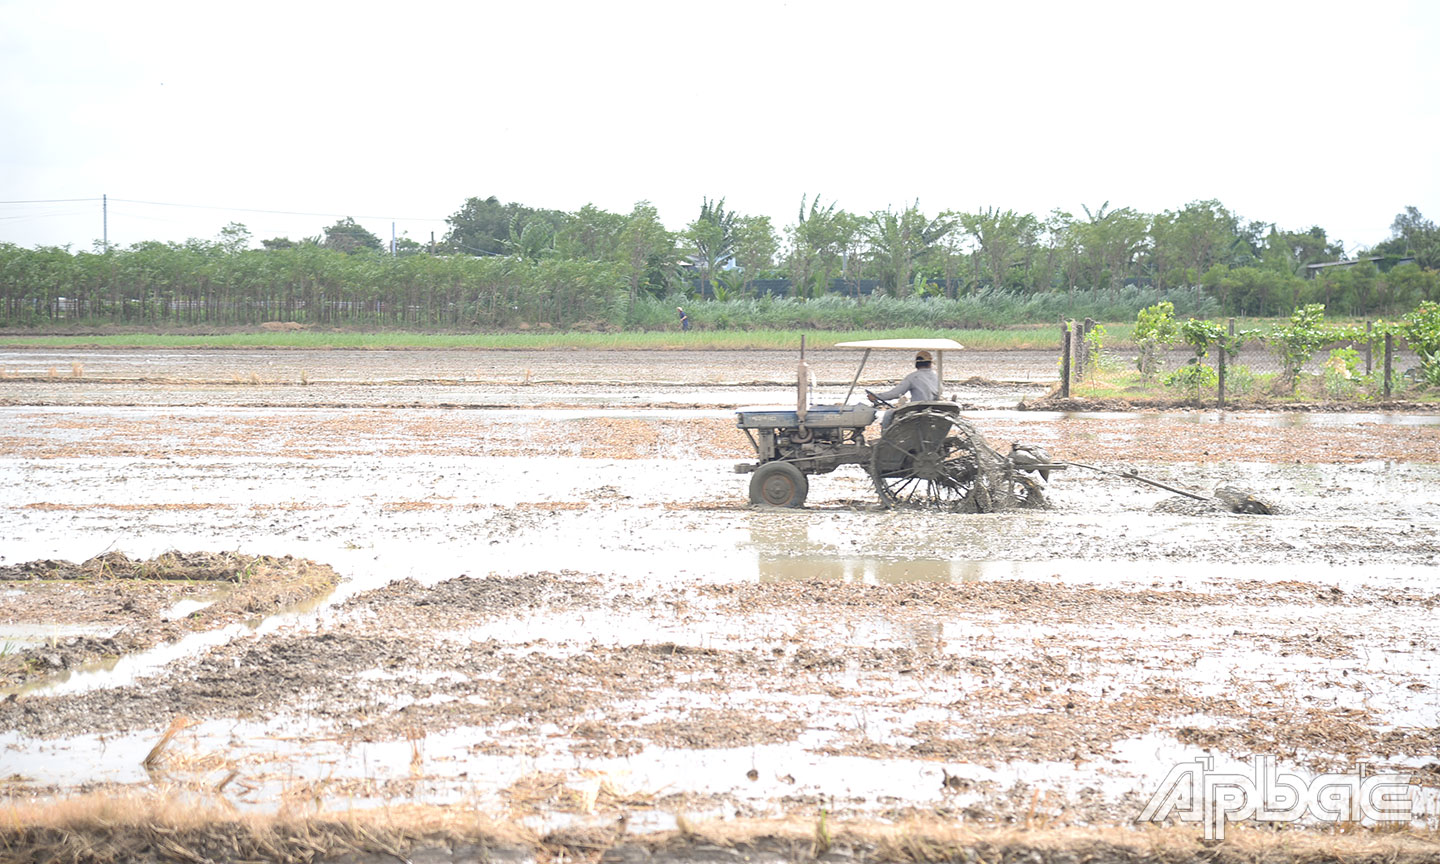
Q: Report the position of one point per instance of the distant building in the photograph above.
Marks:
(1383, 263)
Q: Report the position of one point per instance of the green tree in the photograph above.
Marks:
(1062, 254)
(900, 242)
(818, 241)
(711, 237)
(482, 225)
(648, 257)
(1412, 235)
(350, 237)
(405, 246)
(1291, 251)
(1355, 289)
(530, 237)
(1185, 244)
(1414, 231)
(1411, 284)
(1006, 239)
(234, 238)
(1254, 291)
(590, 234)
(755, 246)
(1111, 239)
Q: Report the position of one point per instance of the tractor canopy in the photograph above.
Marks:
(904, 344)
(938, 347)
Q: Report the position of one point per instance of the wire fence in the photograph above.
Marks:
(1252, 370)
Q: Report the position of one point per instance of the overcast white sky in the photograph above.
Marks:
(1298, 113)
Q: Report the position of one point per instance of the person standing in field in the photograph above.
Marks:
(684, 319)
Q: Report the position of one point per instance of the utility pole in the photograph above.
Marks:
(392, 239)
(105, 221)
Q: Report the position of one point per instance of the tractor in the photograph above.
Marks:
(927, 456)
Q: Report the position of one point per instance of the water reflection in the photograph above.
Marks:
(871, 571)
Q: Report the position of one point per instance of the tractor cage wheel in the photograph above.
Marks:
(927, 459)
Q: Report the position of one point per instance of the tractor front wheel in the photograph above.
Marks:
(778, 484)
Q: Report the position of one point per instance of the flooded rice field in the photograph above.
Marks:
(554, 605)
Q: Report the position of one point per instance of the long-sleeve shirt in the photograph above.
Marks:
(923, 385)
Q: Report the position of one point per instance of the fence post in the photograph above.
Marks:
(1389, 354)
(1368, 343)
(1065, 361)
(1220, 394)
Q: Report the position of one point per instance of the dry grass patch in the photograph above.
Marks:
(163, 827)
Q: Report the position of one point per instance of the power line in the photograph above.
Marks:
(473, 249)
(271, 212)
(42, 215)
(50, 201)
(229, 209)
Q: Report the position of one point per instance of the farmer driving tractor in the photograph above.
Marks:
(922, 385)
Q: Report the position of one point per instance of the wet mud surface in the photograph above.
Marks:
(57, 615)
(569, 614)
(510, 367)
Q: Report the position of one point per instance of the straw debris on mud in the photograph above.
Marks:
(154, 828)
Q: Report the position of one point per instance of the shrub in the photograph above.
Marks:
(1240, 380)
(1155, 330)
(1340, 379)
(1095, 359)
(1296, 342)
(1421, 328)
(1193, 379)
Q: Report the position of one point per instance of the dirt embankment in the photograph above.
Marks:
(138, 602)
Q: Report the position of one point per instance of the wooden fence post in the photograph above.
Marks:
(1065, 360)
(1389, 356)
(1368, 365)
(1220, 393)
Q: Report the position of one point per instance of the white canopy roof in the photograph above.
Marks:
(905, 344)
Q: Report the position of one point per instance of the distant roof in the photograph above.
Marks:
(905, 344)
(1350, 262)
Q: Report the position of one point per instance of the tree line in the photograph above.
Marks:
(505, 264)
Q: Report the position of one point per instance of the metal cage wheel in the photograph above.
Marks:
(1024, 491)
(778, 484)
(925, 460)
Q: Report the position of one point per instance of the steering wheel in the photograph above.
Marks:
(876, 400)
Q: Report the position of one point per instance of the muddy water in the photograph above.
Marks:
(627, 368)
(630, 632)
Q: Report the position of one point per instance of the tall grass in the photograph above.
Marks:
(980, 311)
(1047, 338)
(991, 319)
